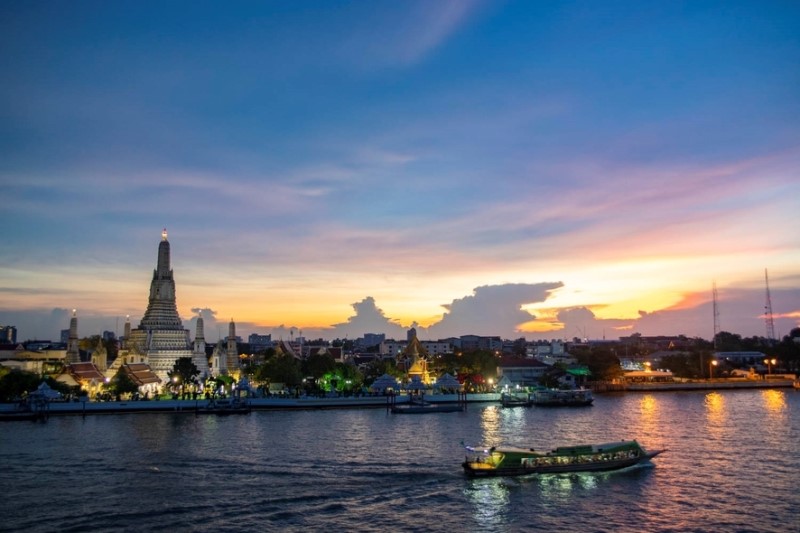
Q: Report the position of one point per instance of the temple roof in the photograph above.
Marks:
(85, 372)
(141, 374)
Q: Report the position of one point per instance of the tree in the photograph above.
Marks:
(318, 365)
(16, 383)
(183, 371)
(122, 383)
(603, 365)
(681, 364)
(282, 369)
(378, 367)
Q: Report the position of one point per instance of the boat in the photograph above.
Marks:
(515, 400)
(562, 398)
(418, 406)
(584, 458)
(796, 384)
(225, 406)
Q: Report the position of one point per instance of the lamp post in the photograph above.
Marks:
(711, 365)
(770, 363)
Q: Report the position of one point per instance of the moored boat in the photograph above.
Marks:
(562, 398)
(515, 400)
(511, 461)
(225, 406)
(418, 406)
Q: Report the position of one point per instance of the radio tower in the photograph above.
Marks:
(768, 312)
(716, 314)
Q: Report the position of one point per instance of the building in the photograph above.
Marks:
(161, 337)
(523, 372)
(259, 343)
(8, 335)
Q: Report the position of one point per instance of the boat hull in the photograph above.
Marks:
(473, 470)
(421, 410)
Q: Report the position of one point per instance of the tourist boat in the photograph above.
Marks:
(585, 458)
(225, 406)
(562, 398)
(515, 400)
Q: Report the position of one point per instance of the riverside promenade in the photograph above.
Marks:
(712, 384)
(271, 403)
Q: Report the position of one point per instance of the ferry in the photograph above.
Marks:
(496, 461)
(562, 398)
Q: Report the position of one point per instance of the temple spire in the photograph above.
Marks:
(162, 310)
(73, 351)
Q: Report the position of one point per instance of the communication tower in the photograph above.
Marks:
(716, 314)
(768, 312)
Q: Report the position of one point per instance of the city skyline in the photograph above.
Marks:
(490, 168)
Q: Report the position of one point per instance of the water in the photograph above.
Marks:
(732, 465)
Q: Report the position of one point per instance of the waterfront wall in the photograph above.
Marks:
(191, 406)
(709, 385)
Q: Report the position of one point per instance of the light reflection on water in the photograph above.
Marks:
(774, 400)
(715, 414)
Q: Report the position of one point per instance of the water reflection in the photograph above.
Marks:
(774, 401)
(490, 423)
(716, 413)
(489, 502)
(648, 421)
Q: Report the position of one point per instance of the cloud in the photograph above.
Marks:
(369, 318)
(492, 310)
(408, 33)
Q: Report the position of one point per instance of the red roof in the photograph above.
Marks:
(85, 372)
(141, 374)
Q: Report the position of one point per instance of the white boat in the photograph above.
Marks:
(562, 398)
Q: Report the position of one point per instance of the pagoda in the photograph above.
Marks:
(415, 357)
(161, 337)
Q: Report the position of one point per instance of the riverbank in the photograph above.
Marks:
(271, 403)
(721, 384)
(57, 408)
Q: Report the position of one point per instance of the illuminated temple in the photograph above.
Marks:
(415, 357)
(161, 339)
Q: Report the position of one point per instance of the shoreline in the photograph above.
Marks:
(83, 408)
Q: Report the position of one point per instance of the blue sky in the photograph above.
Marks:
(509, 168)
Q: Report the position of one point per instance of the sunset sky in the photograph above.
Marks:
(538, 169)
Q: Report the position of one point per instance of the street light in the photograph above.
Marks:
(711, 365)
(770, 363)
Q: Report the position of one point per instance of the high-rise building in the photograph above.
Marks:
(161, 336)
(8, 334)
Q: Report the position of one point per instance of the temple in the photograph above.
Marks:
(161, 339)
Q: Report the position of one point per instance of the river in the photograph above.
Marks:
(732, 465)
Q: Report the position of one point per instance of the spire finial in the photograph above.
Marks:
(164, 234)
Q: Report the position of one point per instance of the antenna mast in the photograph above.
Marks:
(768, 312)
(716, 314)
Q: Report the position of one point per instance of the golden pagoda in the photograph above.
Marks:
(415, 357)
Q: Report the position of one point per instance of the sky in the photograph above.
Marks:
(545, 170)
